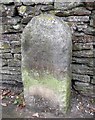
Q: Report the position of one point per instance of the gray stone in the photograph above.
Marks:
(92, 21)
(80, 11)
(14, 63)
(1, 10)
(78, 38)
(46, 58)
(78, 18)
(11, 77)
(93, 80)
(25, 10)
(83, 53)
(83, 46)
(17, 56)
(66, 4)
(28, 3)
(85, 61)
(11, 20)
(90, 5)
(25, 20)
(7, 11)
(47, 8)
(82, 69)
(83, 78)
(85, 88)
(7, 55)
(16, 50)
(4, 62)
(90, 31)
(6, 1)
(13, 28)
(11, 37)
(38, 1)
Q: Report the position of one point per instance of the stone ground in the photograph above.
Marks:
(13, 106)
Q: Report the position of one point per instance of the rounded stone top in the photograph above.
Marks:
(46, 41)
(49, 23)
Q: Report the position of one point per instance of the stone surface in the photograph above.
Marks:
(78, 38)
(85, 61)
(66, 4)
(82, 23)
(93, 80)
(46, 57)
(82, 69)
(47, 8)
(83, 53)
(78, 18)
(80, 11)
(7, 10)
(81, 46)
(38, 1)
(85, 89)
(83, 78)
(90, 31)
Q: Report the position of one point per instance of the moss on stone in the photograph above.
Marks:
(61, 88)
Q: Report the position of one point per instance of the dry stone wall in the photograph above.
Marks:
(80, 16)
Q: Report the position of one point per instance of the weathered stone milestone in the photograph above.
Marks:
(46, 57)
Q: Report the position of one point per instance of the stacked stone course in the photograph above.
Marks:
(79, 16)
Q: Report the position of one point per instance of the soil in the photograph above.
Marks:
(13, 106)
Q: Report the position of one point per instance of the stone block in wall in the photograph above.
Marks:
(93, 80)
(17, 56)
(82, 69)
(13, 28)
(11, 20)
(47, 8)
(78, 26)
(79, 11)
(90, 5)
(6, 1)
(14, 44)
(4, 62)
(83, 53)
(28, 3)
(38, 1)
(11, 37)
(90, 31)
(0, 10)
(14, 63)
(82, 46)
(66, 4)
(12, 69)
(6, 70)
(84, 88)
(78, 18)
(6, 47)
(81, 78)
(26, 19)
(92, 21)
(9, 77)
(7, 11)
(16, 50)
(7, 56)
(78, 38)
(94, 53)
(25, 10)
(85, 61)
